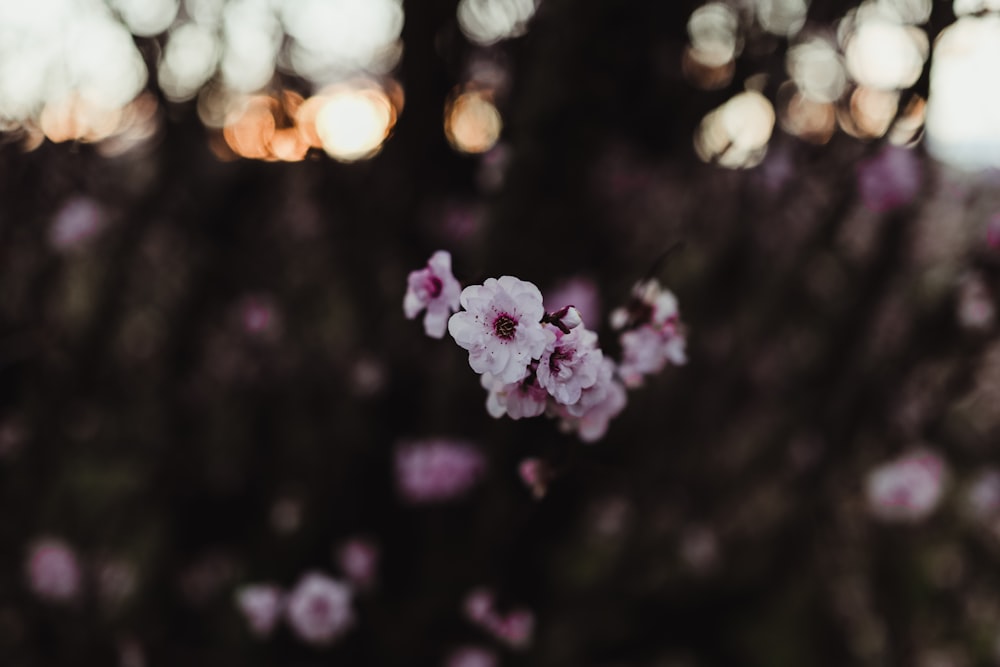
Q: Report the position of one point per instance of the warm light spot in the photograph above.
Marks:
(907, 11)
(962, 7)
(806, 118)
(139, 123)
(816, 69)
(706, 77)
(713, 29)
(736, 134)
(885, 54)
(870, 112)
(963, 109)
(249, 130)
(78, 118)
(489, 21)
(910, 124)
(472, 122)
(353, 121)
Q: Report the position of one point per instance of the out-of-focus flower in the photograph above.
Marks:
(286, 515)
(570, 363)
(598, 405)
(580, 292)
(654, 336)
(983, 495)
(472, 656)
(515, 629)
(699, 548)
(205, 577)
(908, 488)
(262, 606)
(319, 609)
(975, 304)
(259, 316)
(53, 570)
(116, 579)
(501, 327)
(435, 289)
(358, 559)
(79, 220)
(890, 179)
(535, 475)
(517, 400)
(437, 470)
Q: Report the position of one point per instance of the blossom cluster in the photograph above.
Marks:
(318, 610)
(532, 362)
(907, 489)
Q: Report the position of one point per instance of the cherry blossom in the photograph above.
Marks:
(358, 558)
(908, 488)
(597, 406)
(570, 364)
(262, 606)
(517, 400)
(53, 570)
(319, 609)
(437, 470)
(435, 289)
(501, 327)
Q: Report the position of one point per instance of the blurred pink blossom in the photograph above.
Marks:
(908, 488)
(983, 495)
(535, 475)
(975, 303)
(79, 220)
(434, 289)
(437, 470)
(890, 179)
(319, 609)
(259, 316)
(53, 570)
(358, 559)
(472, 656)
(262, 606)
(514, 629)
(116, 580)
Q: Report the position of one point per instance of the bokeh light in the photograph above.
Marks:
(353, 121)
(963, 109)
(816, 68)
(869, 112)
(188, 62)
(472, 122)
(805, 117)
(736, 134)
(489, 21)
(146, 17)
(882, 52)
(782, 17)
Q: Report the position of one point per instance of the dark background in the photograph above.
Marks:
(823, 340)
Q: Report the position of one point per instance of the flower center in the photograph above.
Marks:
(433, 286)
(504, 326)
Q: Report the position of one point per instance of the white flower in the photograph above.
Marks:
(647, 350)
(907, 489)
(434, 288)
(517, 400)
(501, 327)
(319, 609)
(570, 364)
(261, 605)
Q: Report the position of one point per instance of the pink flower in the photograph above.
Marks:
(535, 475)
(435, 289)
(472, 656)
(570, 364)
(890, 179)
(319, 609)
(53, 570)
(358, 558)
(259, 316)
(515, 629)
(261, 605)
(501, 327)
(517, 400)
(656, 337)
(975, 303)
(437, 470)
(983, 495)
(908, 488)
(597, 406)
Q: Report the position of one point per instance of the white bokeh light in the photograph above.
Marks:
(188, 62)
(714, 32)
(963, 109)
(489, 21)
(782, 17)
(885, 54)
(817, 70)
(252, 37)
(146, 17)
